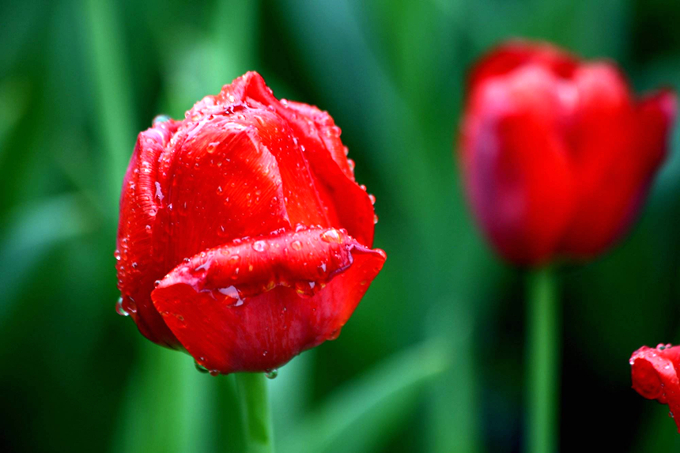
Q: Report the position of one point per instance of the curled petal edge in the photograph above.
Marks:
(253, 304)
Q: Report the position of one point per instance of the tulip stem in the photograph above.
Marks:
(257, 421)
(543, 350)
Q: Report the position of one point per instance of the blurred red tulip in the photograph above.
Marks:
(655, 376)
(243, 236)
(556, 153)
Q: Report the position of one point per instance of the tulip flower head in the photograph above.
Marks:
(243, 237)
(655, 376)
(557, 155)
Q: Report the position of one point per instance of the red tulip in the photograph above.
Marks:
(556, 153)
(243, 236)
(655, 376)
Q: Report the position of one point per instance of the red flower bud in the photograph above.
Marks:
(655, 376)
(556, 153)
(243, 236)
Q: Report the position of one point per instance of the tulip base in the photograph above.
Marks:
(254, 401)
(543, 351)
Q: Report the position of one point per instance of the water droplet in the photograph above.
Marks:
(160, 119)
(264, 353)
(271, 374)
(214, 373)
(233, 293)
(159, 194)
(375, 219)
(372, 198)
(211, 147)
(259, 246)
(204, 267)
(134, 265)
(296, 245)
(119, 308)
(200, 367)
(148, 228)
(670, 414)
(331, 235)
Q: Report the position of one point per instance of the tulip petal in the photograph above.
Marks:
(510, 55)
(616, 149)
(518, 176)
(654, 374)
(347, 205)
(253, 305)
(329, 164)
(136, 266)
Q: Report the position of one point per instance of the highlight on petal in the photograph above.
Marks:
(253, 305)
(655, 376)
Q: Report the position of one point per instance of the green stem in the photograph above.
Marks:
(252, 389)
(543, 362)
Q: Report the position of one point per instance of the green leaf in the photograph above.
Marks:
(365, 411)
(33, 229)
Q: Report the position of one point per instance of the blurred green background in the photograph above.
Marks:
(433, 359)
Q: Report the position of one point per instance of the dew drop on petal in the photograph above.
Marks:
(160, 119)
(372, 198)
(259, 246)
(159, 193)
(119, 308)
(271, 374)
(331, 236)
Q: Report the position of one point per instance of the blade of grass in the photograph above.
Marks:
(167, 409)
(33, 229)
(115, 115)
(365, 410)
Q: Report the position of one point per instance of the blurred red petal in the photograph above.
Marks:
(613, 157)
(516, 164)
(512, 54)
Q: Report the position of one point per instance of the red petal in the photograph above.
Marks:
(654, 374)
(615, 154)
(136, 266)
(656, 115)
(347, 205)
(253, 305)
(516, 164)
(513, 54)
